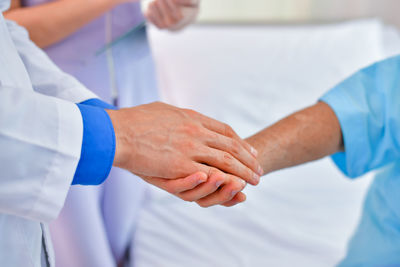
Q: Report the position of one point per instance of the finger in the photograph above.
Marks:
(224, 194)
(233, 147)
(187, 3)
(179, 185)
(150, 16)
(227, 163)
(155, 15)
(175, 10)
(216, 178)
(239, 198)
(221, 128)
(166, 13)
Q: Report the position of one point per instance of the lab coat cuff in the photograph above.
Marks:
(98, 146)
(355, 136)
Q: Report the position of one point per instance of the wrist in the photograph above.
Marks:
(266, 155)
(121, 155)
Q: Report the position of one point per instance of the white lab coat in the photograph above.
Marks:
(40, 143)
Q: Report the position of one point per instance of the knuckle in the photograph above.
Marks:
(235, 146)
(215, 176)
(227, 160)
(212, 173)
(228, 130)
(227, 156)
(218, 181)
(188, 145)
(191, 129)
(253, 163)
(250, 174)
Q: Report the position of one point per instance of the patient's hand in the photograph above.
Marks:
(217, 188)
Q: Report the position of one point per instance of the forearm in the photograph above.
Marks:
(51, 22)
(307, 135)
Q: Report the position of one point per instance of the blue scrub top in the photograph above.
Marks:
(368, 107)
(133, 65)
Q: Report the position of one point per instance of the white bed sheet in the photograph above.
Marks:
(249, 77)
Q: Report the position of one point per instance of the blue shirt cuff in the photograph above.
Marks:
(349, 124)
(347, 104)
(95, 102)
(98, 145)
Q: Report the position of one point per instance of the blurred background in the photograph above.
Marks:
(295, 11)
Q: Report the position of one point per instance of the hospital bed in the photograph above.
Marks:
(250, 76)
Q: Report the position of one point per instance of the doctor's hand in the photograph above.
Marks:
(159, 140)
(171, 14)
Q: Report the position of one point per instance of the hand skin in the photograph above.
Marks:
(51, 22)
(205, 191)
(167, 14)
(162, 144)
(304, 136)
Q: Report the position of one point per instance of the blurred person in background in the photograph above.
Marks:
(95, 226)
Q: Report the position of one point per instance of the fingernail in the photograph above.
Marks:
(233, 193)
(256, 178)
(253, 151)
(260, 171)
(218, 184)
(244, 184)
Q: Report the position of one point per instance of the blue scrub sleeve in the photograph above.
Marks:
(368, 108)
(98, 144)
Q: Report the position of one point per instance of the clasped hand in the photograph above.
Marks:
(185, 153)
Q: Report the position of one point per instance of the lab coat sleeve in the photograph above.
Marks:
(368, 108)
(45, 76)
(40, 140)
